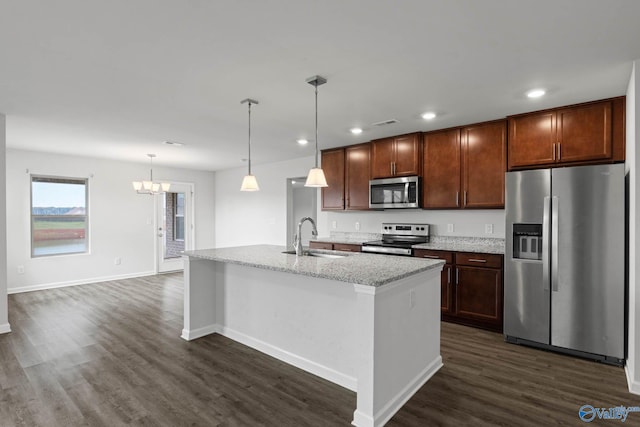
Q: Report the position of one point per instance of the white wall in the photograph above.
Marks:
(247, 218)
(632, 163)
(4, 315)
(468, 223)
(121, 222)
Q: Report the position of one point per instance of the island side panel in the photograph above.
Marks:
(308, 322)
(399, 326)
(200, 313)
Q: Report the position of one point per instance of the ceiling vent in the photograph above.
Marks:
(385, 122)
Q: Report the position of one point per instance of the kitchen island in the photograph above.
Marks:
(370, 323)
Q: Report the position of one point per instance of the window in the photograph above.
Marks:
(58, 216)
(178, 224)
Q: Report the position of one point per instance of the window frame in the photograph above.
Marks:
(176, 215)
(60, 180)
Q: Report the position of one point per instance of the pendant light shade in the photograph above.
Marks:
(316, 176)
(249, 182)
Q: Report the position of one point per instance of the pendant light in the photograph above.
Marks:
(151, 187)
(316, 175)
(249, 182)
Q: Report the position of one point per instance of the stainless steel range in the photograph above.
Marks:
(397, 239)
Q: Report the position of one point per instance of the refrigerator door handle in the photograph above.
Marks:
(545, 242)
(554, 244)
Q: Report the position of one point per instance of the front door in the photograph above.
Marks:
(174, 226)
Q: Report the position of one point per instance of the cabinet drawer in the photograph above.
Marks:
(429, 253)
(321, 245)
(346, 247)
(479, 260)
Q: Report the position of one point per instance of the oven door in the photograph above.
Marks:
(392, 193)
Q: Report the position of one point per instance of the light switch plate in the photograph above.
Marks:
(334, 224)
(357, 226)
(488, 228)
(449, 228)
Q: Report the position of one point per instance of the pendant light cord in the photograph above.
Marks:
(249, 137)
(316, 126)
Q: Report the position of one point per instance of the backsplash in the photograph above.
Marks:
(465, 223)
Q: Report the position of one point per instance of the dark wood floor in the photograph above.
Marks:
(110, 354)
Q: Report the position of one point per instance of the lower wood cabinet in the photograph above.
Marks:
(345, 247)
(471, 288)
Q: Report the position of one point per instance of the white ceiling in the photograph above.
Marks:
(117, 78)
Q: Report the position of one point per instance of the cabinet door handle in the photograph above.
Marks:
(394, 168)
(391, 166)
(554, 151)
(457, 198)
(476, 260)
(465, 198)
(559, 151)
(449, 276)
(457, 275)
(431, 256)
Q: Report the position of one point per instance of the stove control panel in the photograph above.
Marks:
(405, 229)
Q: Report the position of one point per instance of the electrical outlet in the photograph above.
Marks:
(488, 228)
(117, 261)
(357, 226)
(21, 269)
(449, 228)
(412, 298)
(334, 224)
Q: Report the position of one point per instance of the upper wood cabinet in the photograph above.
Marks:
(579, 134)
(396, 156)
(484, 163)
(441, 169)
(357, 166)
(464, 167)
(347, 173)
(333, 167)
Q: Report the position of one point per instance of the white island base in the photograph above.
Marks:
(383, 342)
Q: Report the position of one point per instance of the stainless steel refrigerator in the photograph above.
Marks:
(564, 284)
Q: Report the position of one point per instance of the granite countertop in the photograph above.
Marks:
(361, 268)
(464, 244)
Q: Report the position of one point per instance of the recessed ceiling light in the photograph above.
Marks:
(356, 131)
(302, 141)
(429, 116)
(536, 93)
(174, 143)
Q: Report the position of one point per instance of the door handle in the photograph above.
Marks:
(431, 256)
(559, 151)
(465, 198)
(554, 243)
(545, 241)
(476, 260)
(391, 167)
(457, 199)
(457, 276)
(449, 276)
(554, 151)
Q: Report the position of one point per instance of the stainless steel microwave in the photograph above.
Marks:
(394, 193)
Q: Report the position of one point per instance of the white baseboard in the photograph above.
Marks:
(77, 282)
(310, 366)
(200, 332)
(4, 329)
(394, 405)
(634, 386)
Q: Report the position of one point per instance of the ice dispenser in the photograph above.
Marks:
(527, 241)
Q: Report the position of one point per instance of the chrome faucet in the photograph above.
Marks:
(297, 239)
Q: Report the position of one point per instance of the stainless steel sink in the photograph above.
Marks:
(316, 254)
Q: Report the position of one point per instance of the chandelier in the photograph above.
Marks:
(151, 187)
